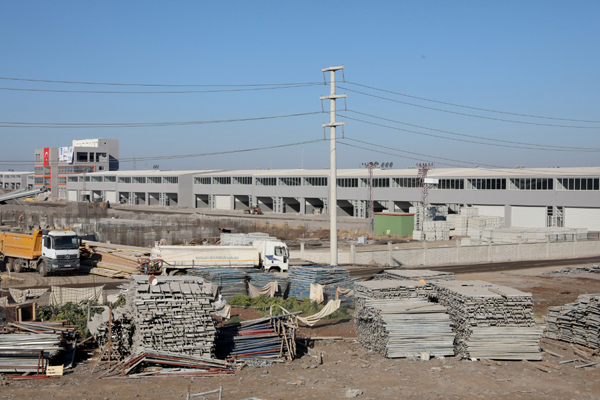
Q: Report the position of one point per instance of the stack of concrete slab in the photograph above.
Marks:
(436, 230)
(389, 290)
(577, 323)
(415, 275)
(461, 225)
(499, 319)
(405, 328)
(173, 314)
(469, 211)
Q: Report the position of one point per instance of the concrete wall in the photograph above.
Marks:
(450, 255)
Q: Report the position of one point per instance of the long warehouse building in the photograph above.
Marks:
(534, 197)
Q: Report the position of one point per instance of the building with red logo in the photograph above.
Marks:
(54, 164)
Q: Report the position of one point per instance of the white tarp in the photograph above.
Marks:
(63, 295)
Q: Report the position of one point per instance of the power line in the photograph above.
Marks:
(562, 148)
(154, 84)
(468, 115)
(63, 125)
(413, 153)
(151, 158)
(474, 108)
(156, 92)
(464, 140)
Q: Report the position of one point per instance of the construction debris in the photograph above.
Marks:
(576, 270)
(577, 323)
(493, 321)
(415, 275)
(162, 363)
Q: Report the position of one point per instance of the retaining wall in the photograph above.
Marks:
(449, 255)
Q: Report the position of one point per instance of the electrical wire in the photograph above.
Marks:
(155, 92)
(63, 125)
(468, 115)
(473, 108)
(465, 140)
(154, 84)
(177, 156)
(562, 148)
(413, 153)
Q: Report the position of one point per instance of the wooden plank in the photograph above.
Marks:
(534, 365)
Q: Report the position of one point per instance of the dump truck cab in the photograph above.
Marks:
(60, 250)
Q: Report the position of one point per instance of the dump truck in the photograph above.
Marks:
(43, 250)
(269, 255)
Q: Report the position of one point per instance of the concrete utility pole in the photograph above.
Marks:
(332, 164)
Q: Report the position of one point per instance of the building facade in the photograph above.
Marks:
(54, 164)
(537, 197)
(12, 180)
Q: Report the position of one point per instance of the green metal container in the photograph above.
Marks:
(394, 224)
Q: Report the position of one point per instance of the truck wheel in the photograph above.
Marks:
(9, 264)
(17, 265)
(43, 269)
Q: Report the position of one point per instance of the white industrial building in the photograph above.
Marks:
(534, 197)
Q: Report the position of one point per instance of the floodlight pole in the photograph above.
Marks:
(332, 164)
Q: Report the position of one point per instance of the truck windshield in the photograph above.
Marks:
(65, 242)
(279, 251)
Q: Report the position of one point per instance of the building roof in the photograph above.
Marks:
(439, 173)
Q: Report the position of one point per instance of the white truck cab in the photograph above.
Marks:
(60, 251)
(274, 255)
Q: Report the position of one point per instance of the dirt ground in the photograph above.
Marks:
(348, 365)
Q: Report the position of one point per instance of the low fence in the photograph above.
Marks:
(449, 255)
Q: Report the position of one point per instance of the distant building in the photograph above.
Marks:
(535, 197)
(13, 180)
(54, 164)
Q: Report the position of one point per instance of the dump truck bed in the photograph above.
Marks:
(21, 245)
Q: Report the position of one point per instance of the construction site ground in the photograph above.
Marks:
(348, 365)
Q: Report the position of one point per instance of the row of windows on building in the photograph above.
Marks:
(10, 176)
(452, 184)
(126, 179)
(67, 169)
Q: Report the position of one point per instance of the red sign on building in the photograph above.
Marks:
(46, 156)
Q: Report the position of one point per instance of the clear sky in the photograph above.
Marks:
(526, 57)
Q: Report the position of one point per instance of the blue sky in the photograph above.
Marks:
(533, 57)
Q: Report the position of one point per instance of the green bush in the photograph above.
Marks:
(263, 304)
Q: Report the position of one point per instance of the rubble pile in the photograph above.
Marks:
(577, 323)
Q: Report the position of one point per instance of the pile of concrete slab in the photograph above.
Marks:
(594, 269)
(415, 275)
(385, 290)
(490, 321)
(173, 314)
(577, 323)
(405, 328)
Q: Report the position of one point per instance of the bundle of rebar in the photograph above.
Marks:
(405, 328)
(415, 275)
(268, 338)
(173, 313)
(577, 323)
(498, 316)
(231, 281)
